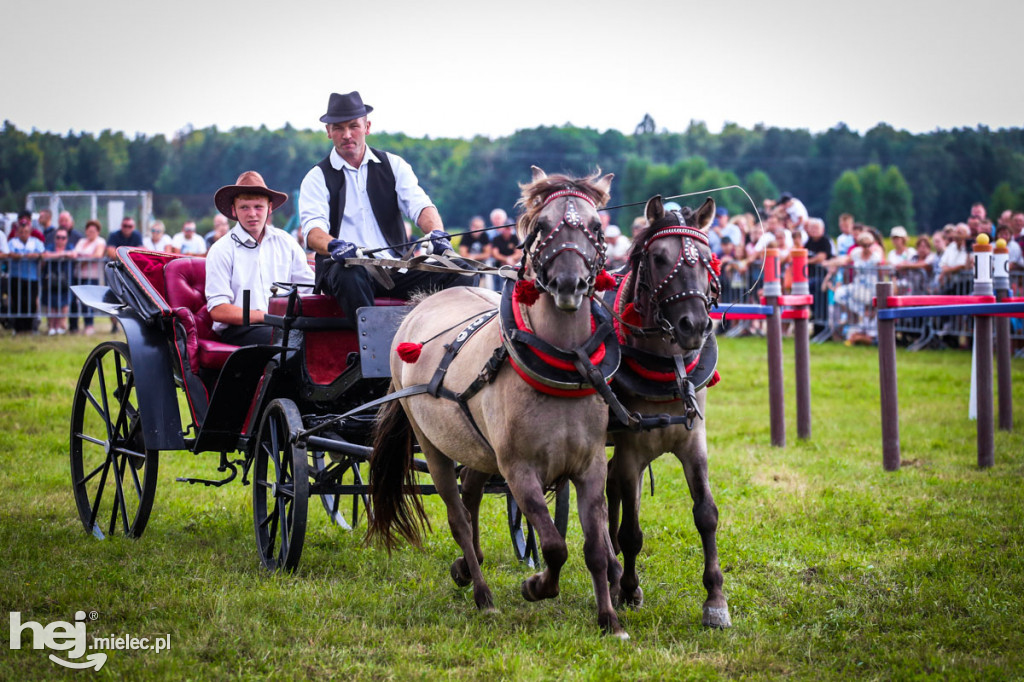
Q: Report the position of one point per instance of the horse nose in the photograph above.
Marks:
(686, 326)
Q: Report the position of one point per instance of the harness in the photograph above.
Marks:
(543, 253)
(689, 255)
(654, 377)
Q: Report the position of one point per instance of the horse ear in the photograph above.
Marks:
(705, 214)
(655, 209)
(605, 183)
(538, 173)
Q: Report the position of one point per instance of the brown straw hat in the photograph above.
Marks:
(249, 182)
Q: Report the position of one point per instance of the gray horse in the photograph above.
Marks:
(531, 417)
(668, 358)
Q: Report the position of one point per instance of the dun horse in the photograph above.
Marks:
(494, 388)
(669, 356)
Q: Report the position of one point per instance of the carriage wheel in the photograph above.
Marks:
(280, 491)
(336, 505)
(113, 475)
(524, 540)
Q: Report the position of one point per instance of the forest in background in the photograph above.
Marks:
(884, 176)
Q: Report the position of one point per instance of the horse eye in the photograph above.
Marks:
(660, 260)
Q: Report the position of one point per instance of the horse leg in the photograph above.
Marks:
(472, 493)
(529, 494)
(442, 471)
(614, 501)
(705, 517)
(593, 513)
(626, 478)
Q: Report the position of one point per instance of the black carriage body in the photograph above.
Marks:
(318, 367)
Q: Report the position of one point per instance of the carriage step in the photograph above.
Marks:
(225, 465)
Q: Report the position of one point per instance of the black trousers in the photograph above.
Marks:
(352, 287)
(252, 335)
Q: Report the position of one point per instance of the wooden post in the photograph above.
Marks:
(1004, 352)
(983, 348)
(887, 382)
(801, 348)
(776, 392)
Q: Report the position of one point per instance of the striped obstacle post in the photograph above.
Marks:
(776, 392)
(802, 347)
(983, 353)
(1004, 352)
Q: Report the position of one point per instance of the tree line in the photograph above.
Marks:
(884, 176)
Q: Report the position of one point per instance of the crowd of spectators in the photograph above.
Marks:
(42, 261)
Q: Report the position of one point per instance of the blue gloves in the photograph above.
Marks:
(439, 242)
(341, 249)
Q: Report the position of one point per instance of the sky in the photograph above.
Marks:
(453, 68)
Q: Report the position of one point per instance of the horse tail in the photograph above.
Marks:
(394, 495)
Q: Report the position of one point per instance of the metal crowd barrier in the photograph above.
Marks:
(35, 289)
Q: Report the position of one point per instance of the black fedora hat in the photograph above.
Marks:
(341, 108)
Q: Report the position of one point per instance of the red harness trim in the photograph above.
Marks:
(596, 357)
(544, 388)
(652, 375)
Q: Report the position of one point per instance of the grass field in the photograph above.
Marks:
(834, 569)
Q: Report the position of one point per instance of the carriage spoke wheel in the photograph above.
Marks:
(113, 475)
(280, 491)
(524, 539)
(336, 506)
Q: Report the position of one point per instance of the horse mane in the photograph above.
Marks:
(535, 192)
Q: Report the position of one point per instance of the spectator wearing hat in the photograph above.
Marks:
(188, 242)
(793, 214)
(618, 247)
(252, 257)
(355, 199)
(900, 253)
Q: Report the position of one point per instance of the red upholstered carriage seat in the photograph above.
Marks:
(185, 281)
(326, 353)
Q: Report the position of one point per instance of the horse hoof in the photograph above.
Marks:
(634, 600)
(489, 611)
(621, 635)
(716, 617)
(456, 570)
(527, 591)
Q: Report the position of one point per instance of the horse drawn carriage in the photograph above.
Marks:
(299, 413)
(506, 394)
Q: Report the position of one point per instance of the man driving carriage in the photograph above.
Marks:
(253, 256)
(355, 199)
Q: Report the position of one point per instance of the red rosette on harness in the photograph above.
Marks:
(409, 352)
(526, 292)
(604, 281)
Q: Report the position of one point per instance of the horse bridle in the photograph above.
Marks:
(547, 249)
(689, 255)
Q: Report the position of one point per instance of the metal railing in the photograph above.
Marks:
(843, 303)
(32, 289)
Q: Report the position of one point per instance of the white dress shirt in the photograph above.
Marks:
(237, 262)
(358, 224)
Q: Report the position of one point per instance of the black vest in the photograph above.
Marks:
(380, 186)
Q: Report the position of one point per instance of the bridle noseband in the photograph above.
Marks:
(549, 248)
(689, 255)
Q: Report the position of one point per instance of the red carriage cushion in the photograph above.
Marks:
(185, 279)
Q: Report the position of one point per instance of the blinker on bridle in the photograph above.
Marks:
(547, 250)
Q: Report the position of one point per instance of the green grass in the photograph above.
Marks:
(833, 568)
